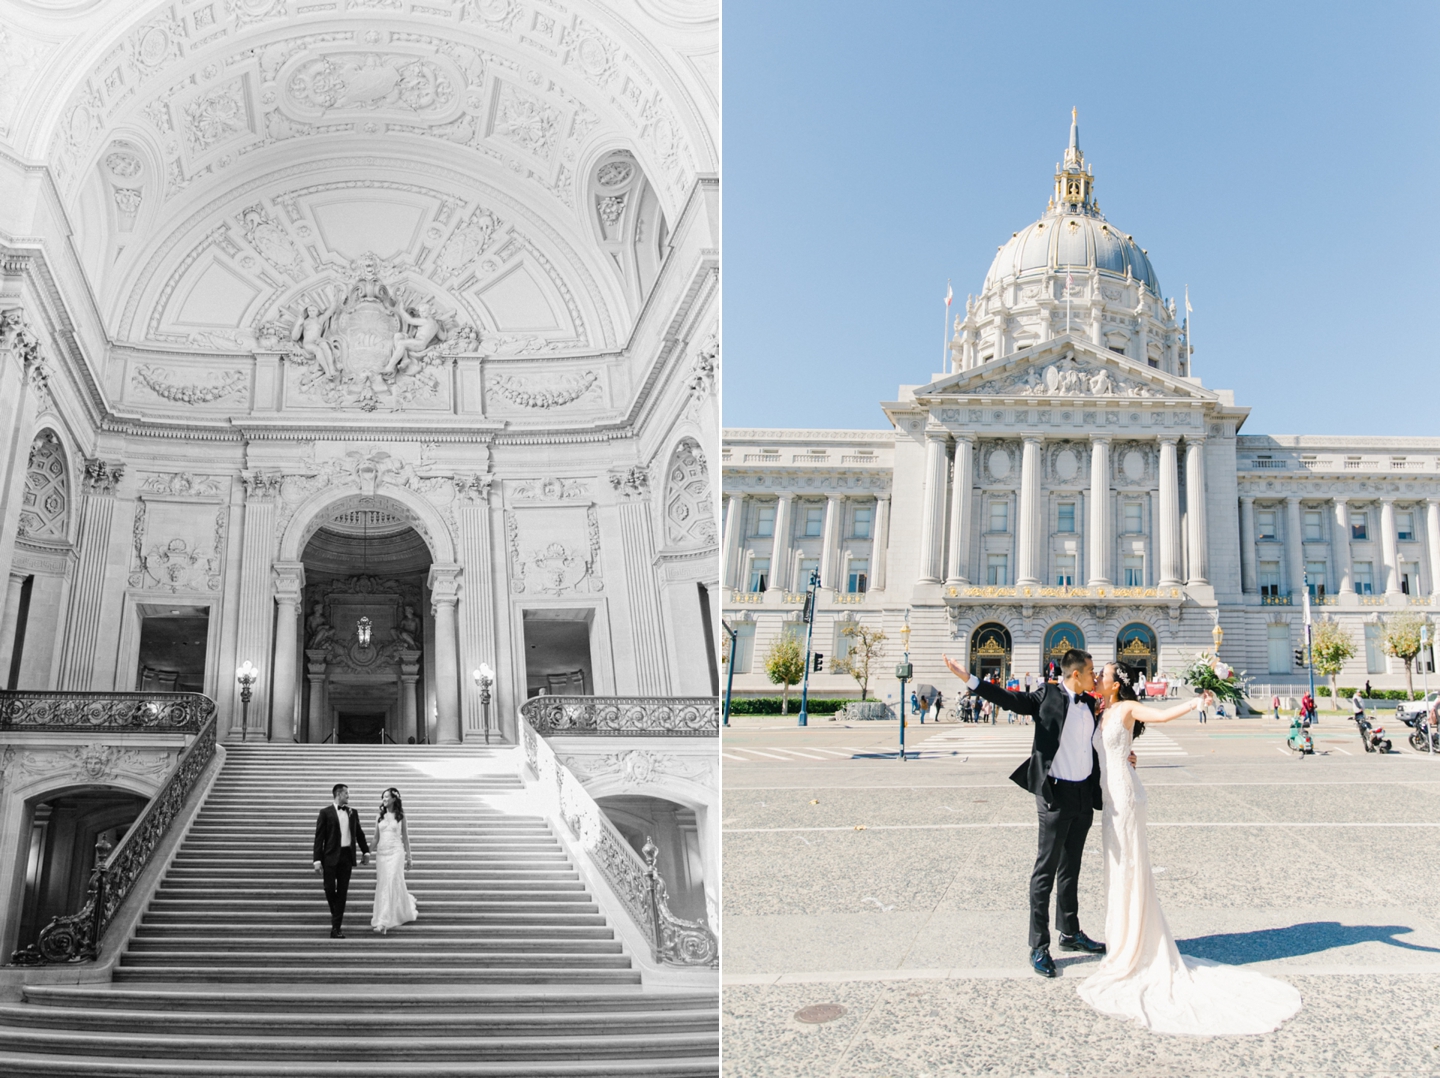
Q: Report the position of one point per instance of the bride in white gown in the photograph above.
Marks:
(394, 905)
(1143, 976)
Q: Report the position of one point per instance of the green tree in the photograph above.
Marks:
(785, 665)
(867, 646)
(1402, 640)
(1331, 648)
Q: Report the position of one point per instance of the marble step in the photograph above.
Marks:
(27, 1065)
(402, 942)
(346, 977)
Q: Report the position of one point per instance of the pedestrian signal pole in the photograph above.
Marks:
(1309, 650)
(809, 638)
(904, 672)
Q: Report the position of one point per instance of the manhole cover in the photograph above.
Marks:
(819, 1012)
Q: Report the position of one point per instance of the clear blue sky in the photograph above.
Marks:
(1281, 158)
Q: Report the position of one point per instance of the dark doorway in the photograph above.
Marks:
(173, 641)
(361, 727)
(557, 652)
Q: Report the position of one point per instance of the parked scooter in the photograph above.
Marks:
(1372, 737)
(1299, 739)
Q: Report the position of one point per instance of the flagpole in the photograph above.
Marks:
(1189, 335)
(945, 332)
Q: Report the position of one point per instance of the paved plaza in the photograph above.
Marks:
(898, 891)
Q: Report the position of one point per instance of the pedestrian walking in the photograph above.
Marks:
(1275, 706)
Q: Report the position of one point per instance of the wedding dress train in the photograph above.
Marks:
(1143, 976)
(394, 905)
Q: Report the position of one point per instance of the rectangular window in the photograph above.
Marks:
(1270, 578)
(765, 521)
(1409, 578)
(1065, 571)
(1405, 526)
(1133, 521)
(1315, 578)
(859, 576)
(1134, 570)
(997, 569)
(807, 566)
(862, 523)
(1360, 526)
(744, 646)
(1364, 578)
(1067, 517)
(759, 574)
(999, 516)
(814, 520)
(1265, 524)
(1374, 649)
(1312, 526)
(840, 646)
(1279, 642)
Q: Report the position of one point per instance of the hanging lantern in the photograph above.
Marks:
(362, 632)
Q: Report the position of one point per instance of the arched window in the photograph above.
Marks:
(1135, 647)
(689, 506)
(1060, 638)
(45, 511)
(990, 651)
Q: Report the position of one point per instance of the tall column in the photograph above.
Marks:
(1294, 546)
(1169, 515)
(932, 518)
(21, 363)
(642, 589)
(289, 586)
(1343, 566)
(477, 614)
(880, 542)
(834, 508)
(1029, 525)
(77, 657)
(256, 615)
(315, 667)
(1101, 526)
(1248, 582)
(444, 586)
(732, 540)
(781, 547)
(1432, 543)
(10, 624)
(957, 570)
(1195, 510)
(409, 717)
(1390, 546)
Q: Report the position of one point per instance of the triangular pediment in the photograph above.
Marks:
(1066, 367)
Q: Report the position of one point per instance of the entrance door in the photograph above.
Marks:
(990, 651)
(361, 727)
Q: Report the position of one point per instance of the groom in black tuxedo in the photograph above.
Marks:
(337, 833)
(1063, 773)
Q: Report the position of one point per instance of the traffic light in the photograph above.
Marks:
(1300, 657)
(819, 660)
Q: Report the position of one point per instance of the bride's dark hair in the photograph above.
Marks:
(1124, 691)
(395, 806)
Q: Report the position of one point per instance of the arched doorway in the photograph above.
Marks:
(673, 829)
(1060, 638)
(1135, 647)
(990, 651)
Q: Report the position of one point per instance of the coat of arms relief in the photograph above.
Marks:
(374, 344)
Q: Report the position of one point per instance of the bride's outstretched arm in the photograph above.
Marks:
(1151, 715)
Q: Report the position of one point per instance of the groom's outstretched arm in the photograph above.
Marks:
(1022, 703)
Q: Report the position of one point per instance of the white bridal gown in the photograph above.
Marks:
(393, 904)
(1143, 976)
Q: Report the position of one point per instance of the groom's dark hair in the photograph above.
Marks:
(335, 790)
(1072, 660)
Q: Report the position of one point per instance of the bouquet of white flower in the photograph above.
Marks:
(1208, 672)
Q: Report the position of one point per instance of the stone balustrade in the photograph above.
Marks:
(89, 712)
(619, 716)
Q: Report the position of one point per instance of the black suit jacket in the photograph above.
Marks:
(1048, 706)
(327, 836)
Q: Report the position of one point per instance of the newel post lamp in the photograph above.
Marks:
(485, 677)
(1217, 634)
(246, 675)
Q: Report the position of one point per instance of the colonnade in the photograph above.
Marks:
(785, 556)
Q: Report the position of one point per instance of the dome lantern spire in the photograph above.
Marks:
(1074, 184)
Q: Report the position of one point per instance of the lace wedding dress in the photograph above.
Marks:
(393, 904)
(1143, 976)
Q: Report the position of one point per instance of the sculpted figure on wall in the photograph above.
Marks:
(319, 632)
(310, 334)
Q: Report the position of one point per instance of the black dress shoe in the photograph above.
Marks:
(1042, 963)
(336, 934)
(1081, 942)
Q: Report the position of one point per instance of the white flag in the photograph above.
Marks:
(1069, 281)
(1188, 309)
(949, 293)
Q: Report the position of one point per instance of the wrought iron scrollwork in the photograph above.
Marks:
(167, 712)
(669, 716)
(76, 937)
(677, 941)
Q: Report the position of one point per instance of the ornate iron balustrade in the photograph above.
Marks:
(614, 716)
(76, 937)
(153, 712)
(673, 941)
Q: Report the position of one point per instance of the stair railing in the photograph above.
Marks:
(622, 716)
(76, 937)
(93, 712)
(636, 880)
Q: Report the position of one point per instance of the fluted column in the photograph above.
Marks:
(781, 545)
(9, 624)
(1028, 529)
(256, 615)
(1100, 540)
(289, 584)
(957, 570)
(880, 543)
(1294, 546)
(444, 585)
(732, 540)
(1432, 543)
(476, 616)
(1344, 568)
(1390, 546)
(82, 628)
(1169, 514)
(932, 519)
(1195, 511)
(830, 542)
(642, 587)
(1248, 582)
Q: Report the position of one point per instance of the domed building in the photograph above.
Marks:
(1071, 480)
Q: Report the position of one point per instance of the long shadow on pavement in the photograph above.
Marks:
(1237, 948)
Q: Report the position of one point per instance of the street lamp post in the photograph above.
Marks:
(809, 638)
(1309, 652)
(485, 677)
(246, 675)
(734, 635)
(904, 672)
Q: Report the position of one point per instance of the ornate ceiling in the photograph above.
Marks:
(224, 163)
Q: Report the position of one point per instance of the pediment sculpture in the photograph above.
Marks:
(1067, 377)
(374, 344)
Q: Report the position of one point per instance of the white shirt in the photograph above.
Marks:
(344, 815)
(1075, 760)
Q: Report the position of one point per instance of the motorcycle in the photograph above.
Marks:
(1299, 739)
(1372, 737)
(1422, 732)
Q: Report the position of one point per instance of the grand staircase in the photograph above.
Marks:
(512, 968)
